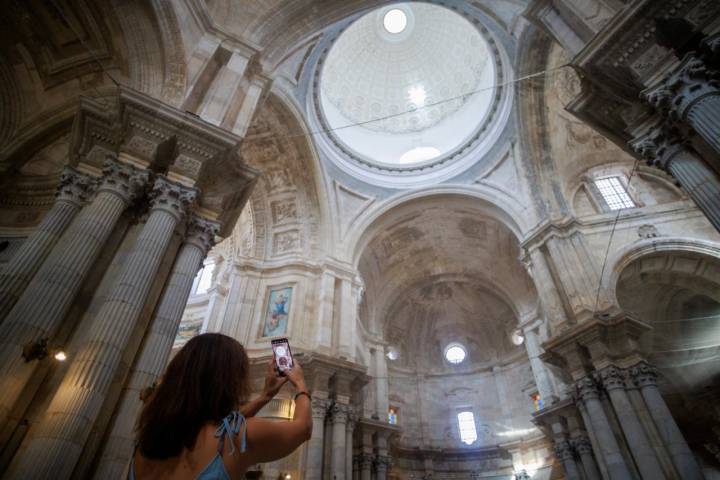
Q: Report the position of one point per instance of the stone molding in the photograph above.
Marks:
(364, 461)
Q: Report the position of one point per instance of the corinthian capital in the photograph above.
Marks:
(74, 187)
(319, 408)
(564, 450)
(644, 375)
(586, 389)
(171, 197)
(582, 445)
(612, 378)
(124, 180)
(339, 412)
(691, 81)
(201, 232)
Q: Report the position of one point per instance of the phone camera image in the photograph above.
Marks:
(283, 356)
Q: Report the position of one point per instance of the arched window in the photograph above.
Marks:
(614, 193)
(392, 416)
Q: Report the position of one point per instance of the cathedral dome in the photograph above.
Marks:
(407, 85)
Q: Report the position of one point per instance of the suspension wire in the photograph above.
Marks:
(61, 12)
(612, 234)
(461, 96)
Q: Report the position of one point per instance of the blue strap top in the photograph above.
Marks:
(215, 470)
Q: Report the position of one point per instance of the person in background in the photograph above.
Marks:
(197, 424)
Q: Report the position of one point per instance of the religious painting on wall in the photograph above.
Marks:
(277, 312)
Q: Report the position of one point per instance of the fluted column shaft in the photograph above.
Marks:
(587, 392)
(584, 449)
(18, 272)
(699, 181)
(365, 463)
(538, 367)
(704, 117)
(564, 452)
(57, 441)
(157, 346)
(382, 463)
(339, 417)
(645, 377)
(314, 463)
(349, 429)
(381, 384)
(613, 380)
(47, 299)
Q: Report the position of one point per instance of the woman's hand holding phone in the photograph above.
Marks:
(273, 380)
(296, 377)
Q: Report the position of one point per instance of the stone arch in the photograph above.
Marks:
(493, 202)
(673, 248)
(287, 214)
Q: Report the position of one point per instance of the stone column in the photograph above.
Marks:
(356, 467)
(584, 449)
(381, 384)
(48, 297)
(691, 96)
(645, 377)
(551, 301)
(613, 379)
(16, 275)
(382, 464)
(349, 430)
(587, 392)
(314, 464)
(667, 151)
(58, 439)
(365, 462)
(339, 415)
(153, 357)
(564, 453)
(542, 377)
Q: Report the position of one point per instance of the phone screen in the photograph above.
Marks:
(283, 356)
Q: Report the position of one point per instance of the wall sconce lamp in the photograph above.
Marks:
(38, 350)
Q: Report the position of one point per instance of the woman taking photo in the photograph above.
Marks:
(197, 425)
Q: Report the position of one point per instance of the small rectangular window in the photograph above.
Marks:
(466, 424)
(203, 279)
(614, 193)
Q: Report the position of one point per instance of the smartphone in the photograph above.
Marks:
(283, 355)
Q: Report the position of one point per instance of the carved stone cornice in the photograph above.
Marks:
(126, 181)
(74, 187)
(171, 197)
(644, 375)
(201, 232)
